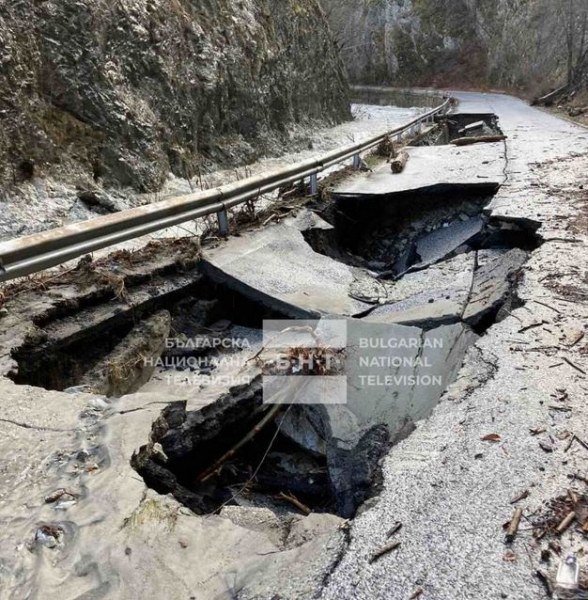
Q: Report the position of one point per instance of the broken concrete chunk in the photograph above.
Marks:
(302, 426)
(308, 528)
(428, 298)
(444, 241)
(260, 519)
(493, 282)
(276, 267)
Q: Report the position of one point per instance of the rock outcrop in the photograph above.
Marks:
(128, 91)
(459, 43)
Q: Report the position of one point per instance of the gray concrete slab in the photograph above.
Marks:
(442, 242)
(431, 166)
(492, 282)
(277, 267)
(429, 298)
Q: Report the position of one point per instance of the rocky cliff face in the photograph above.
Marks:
(508, 43)
(127, 91)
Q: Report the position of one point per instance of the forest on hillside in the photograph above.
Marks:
(530, 46)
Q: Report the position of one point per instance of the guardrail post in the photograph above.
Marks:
(313, 185)
(356, 161)
(223, 222)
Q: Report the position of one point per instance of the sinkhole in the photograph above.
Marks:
(431, 264)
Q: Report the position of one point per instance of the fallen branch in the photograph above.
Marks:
(384, 550)
(547, 306)
(568, 520)
(569, 444)
(520, 497)
(573, 365)
(397, 164)
(560, 408)
(397, 527)
(483, 139)
(549, 98)
(271, 413)
(513, 526)
(293, 500)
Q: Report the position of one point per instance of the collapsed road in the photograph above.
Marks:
(473, 247)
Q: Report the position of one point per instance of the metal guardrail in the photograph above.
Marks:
(33, 253)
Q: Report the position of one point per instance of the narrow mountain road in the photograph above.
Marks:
(450, 485)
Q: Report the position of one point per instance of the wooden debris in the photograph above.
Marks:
(509, 556)
(397, 164)
(491, 437)
(384, 550)
(513, 526)
(294, 501)
(569, 444)
(560, 408)
(545, 581)
(576, 111)
(59, 494)
(397, 527)
(567, 521)
(212, 470)
(546, 447)
(573, 365)
(482, 139)
(520, 497)
(561, 396)
(554, 547)
(532, 326)
(472, 127)
(577, 339)
(417, 593)
(537, 430)
(547, 306)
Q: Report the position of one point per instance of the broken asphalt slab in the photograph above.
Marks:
(276, 267)
(451, 490)
(428, 298)
(431, 167)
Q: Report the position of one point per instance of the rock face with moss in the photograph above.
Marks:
(507, 43)
(127, 91)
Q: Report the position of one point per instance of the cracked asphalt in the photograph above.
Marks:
(451, 490)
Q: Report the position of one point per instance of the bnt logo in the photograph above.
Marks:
(303, 362)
